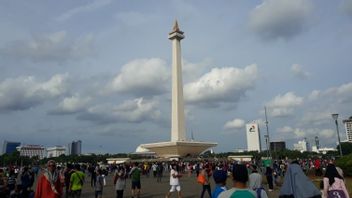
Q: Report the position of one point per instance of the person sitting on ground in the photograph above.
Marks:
(334, 185)
(220, 177)
(255, 183)
(239, 189)
(297, 184)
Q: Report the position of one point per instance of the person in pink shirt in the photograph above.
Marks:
(334, 185)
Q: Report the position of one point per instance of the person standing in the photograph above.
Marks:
(76, 181)
(206, 172)
(174, 181)
(269, 177)
(120, 181)
(334, 185)
(135, 174)
(49, 185)
(99, 184)
(219, 177)
(239, 189)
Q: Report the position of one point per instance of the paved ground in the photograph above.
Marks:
(151, 189)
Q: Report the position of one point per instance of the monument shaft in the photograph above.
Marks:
(177, 110)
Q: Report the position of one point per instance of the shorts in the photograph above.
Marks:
(175, 187)
(136, 184)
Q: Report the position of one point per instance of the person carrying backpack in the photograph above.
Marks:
(76, 182)
(255, 183)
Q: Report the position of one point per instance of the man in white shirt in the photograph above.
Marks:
(174, 181)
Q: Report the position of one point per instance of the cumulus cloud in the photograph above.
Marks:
(142, 77)
(234, 124)
(300, 133)
(280, 18)
(298, 72)
(71, 105)
(134, 111)
(82, 9)
(341, 94)
(284, 105)
(56, 47)
(26, 92)
(221, 85)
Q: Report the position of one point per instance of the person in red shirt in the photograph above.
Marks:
(49, 185)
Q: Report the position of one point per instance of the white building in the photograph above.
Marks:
(348, 128)
(301, 146)
(31, 151)
(55, 151)
(322, 150)
(253, 137)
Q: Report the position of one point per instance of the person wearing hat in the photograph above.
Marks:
(220, 177)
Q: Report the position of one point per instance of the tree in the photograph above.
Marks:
(346, 148)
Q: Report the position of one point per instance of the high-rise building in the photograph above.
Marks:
(10, 147)
(32, 151)
(277, 146)
(348, 128)
(75, 148)
(317, 142)
(253, 137)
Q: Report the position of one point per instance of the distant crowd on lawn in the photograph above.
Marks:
(289, 177)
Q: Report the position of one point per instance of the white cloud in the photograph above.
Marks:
(221, 85)
(82, 9)
(280, 18)
(26, 92)
(71, 105)
(298, 71)
(285, 129)
(341, 94)
(51, 47)
(142, 77)
(234, 124)
(134, 111)
(284, 105)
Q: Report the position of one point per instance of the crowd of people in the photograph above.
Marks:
(289, 178)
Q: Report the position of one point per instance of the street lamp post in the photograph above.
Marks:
(335, 116)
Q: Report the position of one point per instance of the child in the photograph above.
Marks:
(220, 177)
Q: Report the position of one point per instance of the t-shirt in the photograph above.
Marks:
(174, 181)
(77, 180)
(238, 193)
(218, 189)
(136, 174)
(99, 183)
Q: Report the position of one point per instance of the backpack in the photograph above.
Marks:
(336, 194)
(259, 192)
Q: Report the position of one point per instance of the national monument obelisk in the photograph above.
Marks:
(178, 146)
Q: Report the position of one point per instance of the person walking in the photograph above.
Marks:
(255, 183)
(174, 181)
(49, 185)
(207, 173)
(220, 177)
(334, 185)
(99, 184)
(269, 177)
(297, 184)
(77, 181)
(239, 189)
(135, 174)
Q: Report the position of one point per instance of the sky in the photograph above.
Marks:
(100, 71)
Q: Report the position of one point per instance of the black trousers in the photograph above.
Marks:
(206, 187)
(119, 193)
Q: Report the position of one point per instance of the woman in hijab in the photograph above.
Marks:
(297, 184)
(334, 185)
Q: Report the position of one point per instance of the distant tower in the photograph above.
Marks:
(177, 110)
(317, 142)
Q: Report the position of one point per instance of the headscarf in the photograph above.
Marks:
(297, 184)
(331, 173)
(52, 178)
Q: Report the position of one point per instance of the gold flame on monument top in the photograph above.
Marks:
(176, 28)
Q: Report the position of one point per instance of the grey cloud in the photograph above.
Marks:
(346, 7)
(298, 72)
(55, 47)
(26, 92)
(71, 105)
(280, 18)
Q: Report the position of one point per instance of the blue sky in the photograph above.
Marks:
(99, 71)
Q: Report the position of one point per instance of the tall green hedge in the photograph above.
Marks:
(345, 163)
